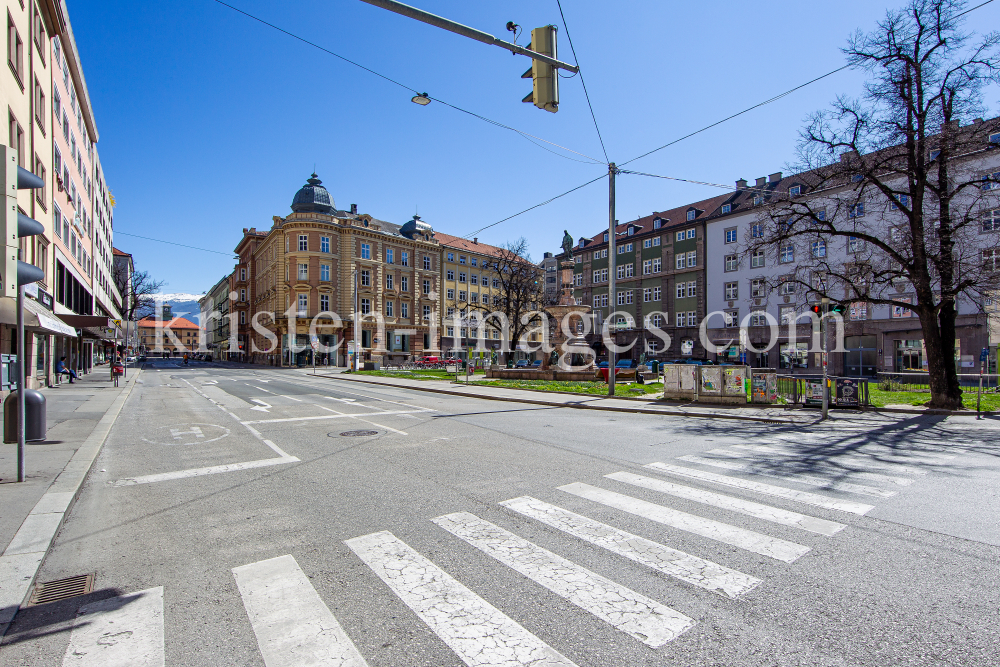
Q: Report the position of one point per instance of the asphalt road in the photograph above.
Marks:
(266, 517)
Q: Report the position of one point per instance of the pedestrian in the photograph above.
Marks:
(61, 368)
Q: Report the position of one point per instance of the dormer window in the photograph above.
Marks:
(727, 208)
(934, 154)
(657, 223)
(691, 214)
(605, 237)
(583, 242)
(857, 178)
(795, 191)
(631, 230)
(995, 138)
(758, 200)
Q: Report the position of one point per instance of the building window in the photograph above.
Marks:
(303, 272)
(795, 190)
(366, 278)
(626, 270)
(757, 259)
(450, 294)
(727, 208)
(732, 291)
(787, 287)
(324, 272)
(991, 221)
(388, 308)
(818, 248)
(856, 211)
(691, 215)
(461, 259)
(758, 319)
(303, 304)
(680, 261)
(390, 258)
(903, 311)
(40, 193)
(731, 235)
(450, 274)
(858, 310)
(462, 295)
(692, 259)
(15, 51)
(404, 309)
(427, 313)
(426, 285)
(624, 297)
(243, 292)
(404, 283)
(757, 230)
(427, 263)
(324, 244)
(17, 140)
(324, 302)
(404, 259)
(40, 106)
(243, 317)
(786, 255)
(732, 318)
(451, 257)
(692, 318)
(787, 314)
(657, 223)
(854, 244)
(732, 263)
(388, 281)
(692, 288)
(303, 242)
(474, 297)
(757, 288)
(462, 277)
(366, 251)
(647, 267)
(366, 306)
(474, 279)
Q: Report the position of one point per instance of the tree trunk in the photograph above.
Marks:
(939, 341)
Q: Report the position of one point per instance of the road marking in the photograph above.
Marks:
(123, 631)
(367, 421)
(691, 569)
(807, 480)
(861, 460)
(198, 472)
(820, 467)
(292, 398)
(259, 388)
(262, 406)
(342, 400)
(634, 614)
(806, 497)
(292, 625)
(339, 415)
(757, 510)
(176, 433)
(758, 543)
(478, 632)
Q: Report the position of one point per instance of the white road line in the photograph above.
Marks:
(807, 480)
(806, 497)
(758, 543)
(478, 632)
(326, 386)
(367, 421)
(277, 450)
(859, 459)
(750, 508)
(691, 569)
(634, 614)
(339, 415)
(259, 388)
(197, 472)
(292, 398)
(292, 624)
(820, 467)
(123, 631)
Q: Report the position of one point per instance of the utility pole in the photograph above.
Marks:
(822, 330)
(612, 252)
(355, 366)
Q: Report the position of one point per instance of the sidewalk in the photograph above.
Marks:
(79, 417)
(560, 400)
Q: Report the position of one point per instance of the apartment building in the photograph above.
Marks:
(170, 336)
(214, 307)
(242, 286)
(469, 284)
(659, 282)
(309, 265)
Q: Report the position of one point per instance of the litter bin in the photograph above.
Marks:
(34, 416)
(510, 363)
(655, 367)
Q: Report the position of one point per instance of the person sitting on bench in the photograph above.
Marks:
(61, 368)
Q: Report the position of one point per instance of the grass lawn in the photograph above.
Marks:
(429, 374)
(578, 387)
(880, 398)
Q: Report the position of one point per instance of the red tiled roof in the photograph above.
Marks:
(176, 323)
(675, 217)
(459, 243)
(116, 251)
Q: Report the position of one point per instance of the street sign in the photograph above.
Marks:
(314, 342)
(985, 354)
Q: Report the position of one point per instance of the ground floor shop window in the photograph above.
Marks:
(793, 357)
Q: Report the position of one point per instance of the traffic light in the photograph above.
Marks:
(14, 272)
(818, 309)
(838, 308)
(544, 77)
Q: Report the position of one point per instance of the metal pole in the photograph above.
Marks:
(612, 251)
(20, 383)
(357, 335)
(979, 395)
(466, 31)
(826, 388)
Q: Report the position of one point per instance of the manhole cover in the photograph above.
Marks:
(61, 589)
(357, 434)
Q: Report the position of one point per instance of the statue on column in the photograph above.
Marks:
(567, 244)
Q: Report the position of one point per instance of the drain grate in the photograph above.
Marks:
(61, 589)
(356, 434)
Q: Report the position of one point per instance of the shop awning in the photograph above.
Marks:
(93, 326)
(36, 318)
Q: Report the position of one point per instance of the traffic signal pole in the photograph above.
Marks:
(612, 252)
(466, 31)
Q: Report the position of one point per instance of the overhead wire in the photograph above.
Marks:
(576, 60)
(403, 85)
(218, 252)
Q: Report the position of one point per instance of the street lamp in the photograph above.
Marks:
(822, 332)
(423, 99)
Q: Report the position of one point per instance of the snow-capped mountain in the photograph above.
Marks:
(182, 304)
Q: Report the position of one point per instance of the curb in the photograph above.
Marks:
(578, 406)
(23, 557)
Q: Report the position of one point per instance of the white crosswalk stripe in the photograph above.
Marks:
(852, 459)
(123, 631)
(474, 629)
(757, 510)
(805, 497)
(819, 468)
(634, 614)
(764, 545)
(806, 480)
(685, 567)
(292, 625)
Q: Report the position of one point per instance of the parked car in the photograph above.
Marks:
(537, 363)
(521, 363)
(627, 363)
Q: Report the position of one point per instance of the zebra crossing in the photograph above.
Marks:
(294, 627)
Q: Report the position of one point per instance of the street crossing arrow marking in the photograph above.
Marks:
(263, 407)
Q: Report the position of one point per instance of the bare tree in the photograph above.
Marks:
(890, 184)
(520, 296)
(137, 289)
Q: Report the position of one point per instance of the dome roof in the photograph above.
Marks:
(415, 226)
(313, 198)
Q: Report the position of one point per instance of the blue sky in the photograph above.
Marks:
(209, 121)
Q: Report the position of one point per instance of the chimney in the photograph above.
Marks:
(775, 177)
(741, 184)
(245, 230)
(354, 209)
(761, 182)
(977, 121)
(475, 239)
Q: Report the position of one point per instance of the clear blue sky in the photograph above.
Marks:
(210, 121)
